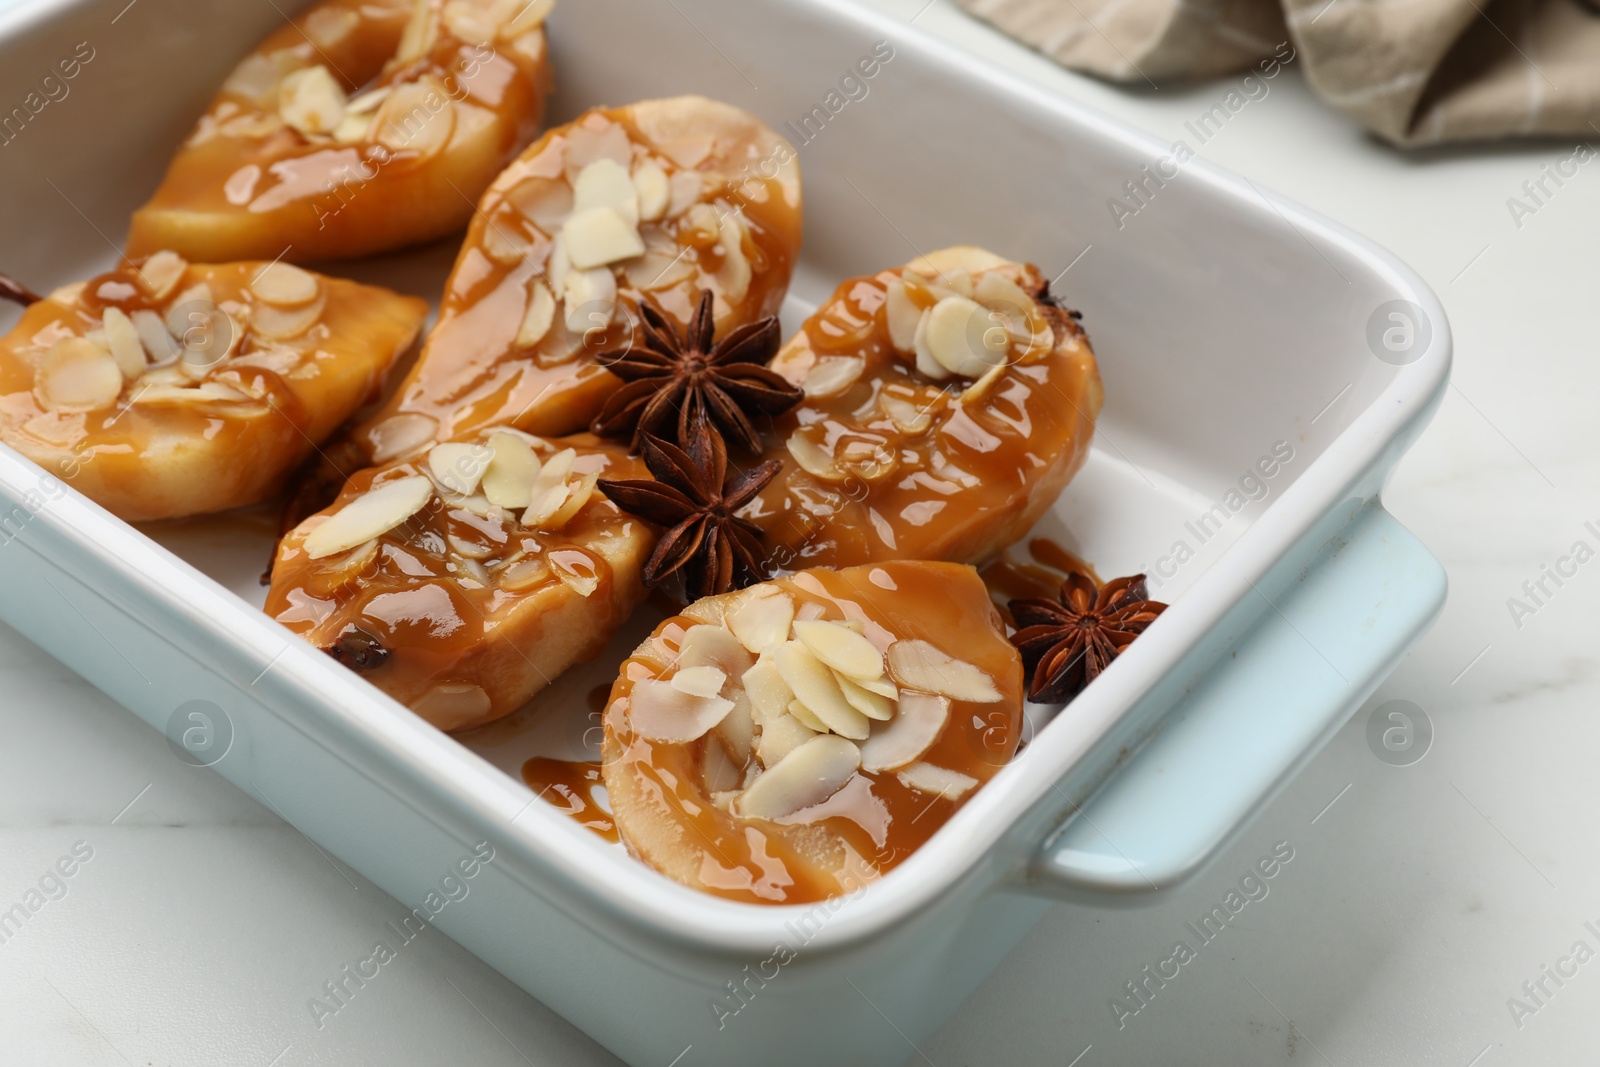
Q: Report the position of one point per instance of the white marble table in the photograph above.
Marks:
(1419, 900)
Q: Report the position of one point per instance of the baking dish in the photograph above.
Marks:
(1239, 335)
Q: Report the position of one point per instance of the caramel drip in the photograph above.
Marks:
(569, 786)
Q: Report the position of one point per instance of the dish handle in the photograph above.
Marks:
(1260, 715)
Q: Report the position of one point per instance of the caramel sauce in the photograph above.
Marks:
(570, 785)
(660, 794)
(260, 184)
(973, 481)
(473, 373)
(461, 599)
(1010, 578)
(156, 453)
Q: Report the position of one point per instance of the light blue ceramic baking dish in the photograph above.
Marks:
(1265, 370)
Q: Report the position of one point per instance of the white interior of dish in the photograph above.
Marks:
(1207, 368)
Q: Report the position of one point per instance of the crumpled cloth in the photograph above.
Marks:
(1414, 72)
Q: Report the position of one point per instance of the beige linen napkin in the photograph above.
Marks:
(1414, 72)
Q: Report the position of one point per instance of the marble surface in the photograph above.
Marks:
(1419, 899)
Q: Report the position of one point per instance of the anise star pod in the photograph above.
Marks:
(1068, 642)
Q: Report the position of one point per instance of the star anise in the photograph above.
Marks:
(677, 382)
(16, 292)
(1066, 643)
(694, 497)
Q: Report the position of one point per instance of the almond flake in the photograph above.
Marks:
(815, 687)
(705, 681)
(999, 293)
(161, 272)
(963, 339)
(79, 375)
(458, 466)
(158, 343)
(123, 340)
(511, 471)
(417, 117)
(555, 471)
(285, 285)
(537, 319)
(282, 324)
(926, 778)
(872, 705)
(709, 645)
(590, 299)
(906, 416)
(881, 686)
(841, 648)
(808, 775)
(799, 711)
(600, 235)
(524, 575)
(368, 102)
(466, 22)
(813, 458)
(769, 694)
(606, 183)
(687, 187)
(547, 201)
(400, 435)
(311, 100)
(659, 711)
(653, 190)
(530, 15)
(760, 619)
(587, 143)
(578, 494)
(919, 665)
(927, 365)
(576, 571)
(735, 274)
(370, 515)
(903, 739)
(902, 316)
(544, 506)
(833, 375)
(781, 736)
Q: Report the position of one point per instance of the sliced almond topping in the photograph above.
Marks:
(458, 466)
(703, 681)
(590, 299)
(153, 335)
(576, 571)
(709, 645)
(980, 388)
(814, 686)
(400, 435)
(738, 731)
(555, 471)
(525, 574)
(558, 266)
(927, 364)
(368, 102)
(841, 648)
(903, 739)
(686, 187)
(803, 713)
(808, 775)
(906, 416)
(653, 190)
(881, 686)
(547, 201)
(760, 618)
(283, 324)
(769, 694)
(600, 235)
(926, 778)
(919, 665)
(999, 293)
(160, 273)
(735, 274)
(311, 100)
(872, 705)
(902, 315)
(123, 340)
(833, 375)
(370, 515)
(603, 140)
(285, 285)
(505, 241)
(417, 117)
(813, 458)
(512, 470)
(545, 503)
(606, 183)
(656, 270)
(955, 282)
(578, 494)
(961, 336)
(467, 21)
(80, 375)
(453, 705)
(781, 736)
(537, 319)
(660, 711)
